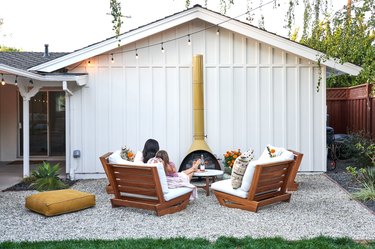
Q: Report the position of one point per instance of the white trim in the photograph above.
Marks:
(186, 16)
(80, 79)
(27, 94)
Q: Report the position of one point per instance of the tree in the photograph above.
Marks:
(348, 35)
(4, 48)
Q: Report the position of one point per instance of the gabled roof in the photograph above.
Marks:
(26, 60)
(196, 12)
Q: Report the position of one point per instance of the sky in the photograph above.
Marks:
(68, 25)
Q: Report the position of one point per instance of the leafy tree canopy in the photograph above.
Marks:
(8, 49)
(348, 35)
(4, 48)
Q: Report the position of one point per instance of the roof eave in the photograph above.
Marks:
(277, 41)
(188, 15)
(81, 80)
(113, 43)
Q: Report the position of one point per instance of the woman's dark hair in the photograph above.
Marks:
(150, 149)
(163, 155)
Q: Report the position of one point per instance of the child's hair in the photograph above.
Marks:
(163, 155)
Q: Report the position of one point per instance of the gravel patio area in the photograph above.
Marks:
(319, 207)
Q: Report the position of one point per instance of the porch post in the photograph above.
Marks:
(27, 94)
(26, 138)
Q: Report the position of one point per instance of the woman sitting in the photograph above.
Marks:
(176, 179)
(149, 150)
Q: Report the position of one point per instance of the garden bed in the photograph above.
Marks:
(26, 185)
(344, 179)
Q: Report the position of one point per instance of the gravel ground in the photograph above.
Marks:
(319, 207)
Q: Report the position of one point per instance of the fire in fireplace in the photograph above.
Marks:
(209, 159)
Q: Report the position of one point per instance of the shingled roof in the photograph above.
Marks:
(26, 60)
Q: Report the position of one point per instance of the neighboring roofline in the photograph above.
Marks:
(209, 16)
(81, 79)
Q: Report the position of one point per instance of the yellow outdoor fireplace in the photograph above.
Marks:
(199, 146)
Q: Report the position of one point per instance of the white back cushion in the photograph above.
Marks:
(249, 173)
(116, 158)
(279, 152)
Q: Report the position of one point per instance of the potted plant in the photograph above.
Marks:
(229, 158)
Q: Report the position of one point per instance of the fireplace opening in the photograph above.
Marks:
(209, 159)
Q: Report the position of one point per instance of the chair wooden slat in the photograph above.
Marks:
(263, 182)
(142, 181)
(269, 185)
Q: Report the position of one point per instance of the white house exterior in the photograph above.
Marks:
(259, 89)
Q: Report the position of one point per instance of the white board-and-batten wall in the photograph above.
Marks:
(254, 95)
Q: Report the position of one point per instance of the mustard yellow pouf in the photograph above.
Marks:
(57, 202)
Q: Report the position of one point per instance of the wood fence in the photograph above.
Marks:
(352, 109)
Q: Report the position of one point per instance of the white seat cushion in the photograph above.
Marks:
(176, 192)
(173, 193)
(226, 187)
(116, 158)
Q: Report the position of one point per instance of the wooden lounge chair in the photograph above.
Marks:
(140, 186)
(104, 161)
(292, 184)
(268, 185)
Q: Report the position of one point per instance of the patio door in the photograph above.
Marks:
(47, 124)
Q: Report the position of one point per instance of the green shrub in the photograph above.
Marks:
(47, 177)
(367, 179)
(366, 193)
(362, 149)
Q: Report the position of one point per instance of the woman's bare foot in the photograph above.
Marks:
(196, 165)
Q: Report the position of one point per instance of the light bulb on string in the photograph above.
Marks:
(189, 41)
(2, 80)
(16, 81)
(136, 53)
(162, 48)
(218, 31)
(112, 59)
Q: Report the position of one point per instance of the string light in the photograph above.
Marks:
(16, 81)
(195, 32)
(31, 81)
(2, 80)
(112, 59)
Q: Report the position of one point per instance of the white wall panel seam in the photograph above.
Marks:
(311, 120)
(271, 99)
(324, 117)
(298, 109)
(284, 97)
(257, 59)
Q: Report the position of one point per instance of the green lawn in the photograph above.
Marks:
(182, 243)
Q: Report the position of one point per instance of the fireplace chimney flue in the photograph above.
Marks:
(199, 142)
